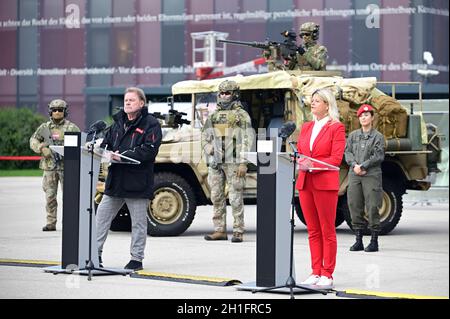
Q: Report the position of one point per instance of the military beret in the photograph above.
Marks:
(364, 108)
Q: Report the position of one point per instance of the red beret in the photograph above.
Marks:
(364, 108)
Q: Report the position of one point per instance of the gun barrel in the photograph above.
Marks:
(254, 44)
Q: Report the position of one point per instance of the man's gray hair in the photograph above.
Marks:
(140, 93)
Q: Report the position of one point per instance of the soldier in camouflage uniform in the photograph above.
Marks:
(52, 133)
(226, 135)
(311, 56)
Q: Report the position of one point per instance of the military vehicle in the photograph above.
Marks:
(412, 147)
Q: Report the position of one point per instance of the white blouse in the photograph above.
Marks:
(318, 125)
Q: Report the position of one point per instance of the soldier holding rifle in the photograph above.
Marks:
(52, 133)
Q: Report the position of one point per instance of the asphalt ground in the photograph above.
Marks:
(413, 260)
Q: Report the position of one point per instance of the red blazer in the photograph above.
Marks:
(328, 147)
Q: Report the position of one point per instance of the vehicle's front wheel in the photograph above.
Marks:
(172, 209)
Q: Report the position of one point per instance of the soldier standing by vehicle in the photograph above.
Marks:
(226, 135)
(311, 56)
(52, 133)
(364, 154)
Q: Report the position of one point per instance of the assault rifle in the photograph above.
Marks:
(174, 118)
(285, 51)
(49, 140)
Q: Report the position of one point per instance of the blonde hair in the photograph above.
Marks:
(328, 97)
(139, 92)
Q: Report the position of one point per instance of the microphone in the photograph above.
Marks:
(287, 129)
(97, 127)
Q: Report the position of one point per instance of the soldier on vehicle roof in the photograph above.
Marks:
(311, 56)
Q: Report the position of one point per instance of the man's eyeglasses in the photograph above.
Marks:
(225, 93)
(305, 34)
(57, 110)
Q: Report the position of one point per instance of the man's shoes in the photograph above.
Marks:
(49, 228)
(217, 236)
(237, 238)
(311, 280)
(100, 262)
(325, 282)
(134, 265)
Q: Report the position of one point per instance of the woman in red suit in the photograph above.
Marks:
(322, 139)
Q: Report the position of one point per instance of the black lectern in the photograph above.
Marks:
(273, 207)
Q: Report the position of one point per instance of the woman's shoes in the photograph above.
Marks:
(319, 281)
(311, 280)
(325, 282)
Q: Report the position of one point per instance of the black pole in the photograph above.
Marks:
(89, 263)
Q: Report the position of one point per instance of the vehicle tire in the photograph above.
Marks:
(339, 215)
(122, 221)
(298, 210)
(391, 208)
(341, 206)
(172, 209)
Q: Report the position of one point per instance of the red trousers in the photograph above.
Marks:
(319, 210)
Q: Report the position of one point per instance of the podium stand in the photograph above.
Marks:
(273, 207)
(77, 199)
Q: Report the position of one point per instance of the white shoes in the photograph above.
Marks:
(311, 280)
(325, 282)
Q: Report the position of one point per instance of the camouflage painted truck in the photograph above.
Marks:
(411, 155)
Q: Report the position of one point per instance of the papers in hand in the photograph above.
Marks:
(108, 158)
(306, 163)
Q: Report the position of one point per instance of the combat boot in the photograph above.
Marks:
(49, 228)
(217, 236)
(358, 245)
(237, 238)
(373, 246)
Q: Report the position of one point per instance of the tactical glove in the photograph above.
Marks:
(301, 50)
(242, 170)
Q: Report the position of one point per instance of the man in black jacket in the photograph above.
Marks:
(135, 134)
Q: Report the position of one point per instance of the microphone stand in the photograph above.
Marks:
(89, 263)
(290, 282)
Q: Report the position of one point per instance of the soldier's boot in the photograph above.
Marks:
(49, 228)
(373, 245)
(217, 236)
(358, 245)
(237, 237)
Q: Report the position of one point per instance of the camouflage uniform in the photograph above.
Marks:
(315, 55)
(228, 134)
(309, 57)
(51, 133)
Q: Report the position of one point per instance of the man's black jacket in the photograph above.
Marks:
(140, 140)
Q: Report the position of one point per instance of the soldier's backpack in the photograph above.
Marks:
(347, 116)
(391, 117)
